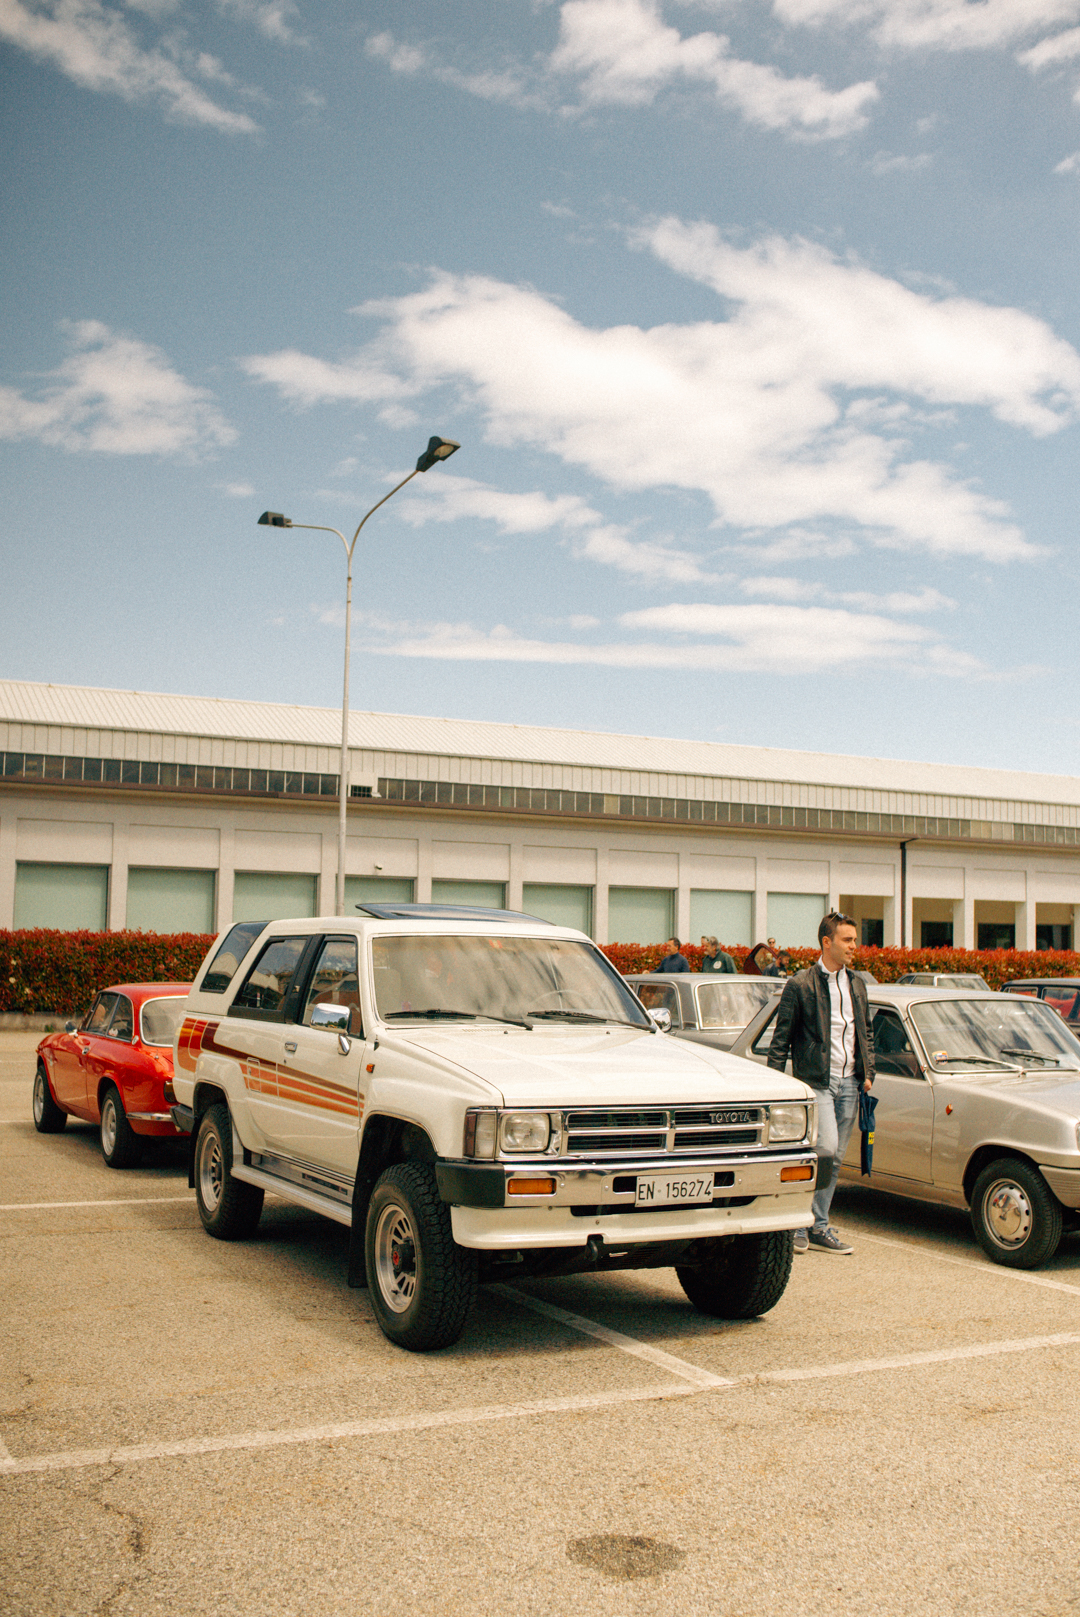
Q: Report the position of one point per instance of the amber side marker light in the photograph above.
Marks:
(531, 1187)
(798, 1170)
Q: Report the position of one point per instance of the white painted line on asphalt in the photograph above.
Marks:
(626, 1344)
(986, 1268)
(6, 1461)
(79, 1459)
(116, 1201)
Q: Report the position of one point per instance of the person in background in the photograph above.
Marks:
(713, 958)
(673, 960)
(759, 962)
(823, 1022)
(785, 964)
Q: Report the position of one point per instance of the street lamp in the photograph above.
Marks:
(438, 449)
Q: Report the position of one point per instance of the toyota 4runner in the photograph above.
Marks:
(477, 1095)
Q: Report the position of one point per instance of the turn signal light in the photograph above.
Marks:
(797, 1170)
(531, 1187)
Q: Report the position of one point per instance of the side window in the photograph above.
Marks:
(892, 1047)
(122, 1025)
(98, 1020)
(1063, 1000)
(661, 997)
(226, 962)
(334, 980)
(267, 984)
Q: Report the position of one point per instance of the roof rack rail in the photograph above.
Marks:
(444, 912)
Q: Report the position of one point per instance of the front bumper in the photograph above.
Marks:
(601, 1198)
(1064, 1182)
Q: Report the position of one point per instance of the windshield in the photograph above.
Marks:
(1004, 1031)
(509, 979)
(730, 1004)
(160, 1018)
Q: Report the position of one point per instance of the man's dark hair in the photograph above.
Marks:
(830, 922)
(673, 939)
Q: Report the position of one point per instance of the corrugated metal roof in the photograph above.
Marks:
(25, 702)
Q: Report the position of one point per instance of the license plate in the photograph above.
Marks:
(657, 1191)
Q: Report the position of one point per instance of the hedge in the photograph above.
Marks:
(62, 971)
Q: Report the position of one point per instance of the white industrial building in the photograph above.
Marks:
(122, 809)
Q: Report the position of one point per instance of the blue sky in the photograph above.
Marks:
(757, 321)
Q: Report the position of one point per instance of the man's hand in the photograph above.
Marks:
(867, 1084)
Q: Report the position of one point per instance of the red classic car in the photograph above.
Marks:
(115, 1069)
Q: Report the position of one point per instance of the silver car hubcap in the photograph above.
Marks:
(395, 1258)
(39, 1098)
(211, 1172)
(1007, 1214)
(108, 1126)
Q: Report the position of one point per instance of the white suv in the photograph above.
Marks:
(478, 1095)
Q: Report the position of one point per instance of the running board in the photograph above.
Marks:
(291, 1192)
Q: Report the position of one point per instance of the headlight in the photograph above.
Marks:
(787, 1123)
(524, 1131)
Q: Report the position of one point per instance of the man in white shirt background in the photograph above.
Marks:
(823, 1022)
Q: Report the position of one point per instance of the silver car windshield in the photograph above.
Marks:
(160, 1018)
(730, 1004)
(1002, 1032)
(506, 979)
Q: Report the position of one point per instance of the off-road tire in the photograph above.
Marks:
(229, 1208)
(120, 1145)
(48, 1117)
(421, 1283)
(1028, 1229)
(741, 1276)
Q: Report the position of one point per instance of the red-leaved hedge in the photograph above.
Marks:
(43, 970)
(62, 971)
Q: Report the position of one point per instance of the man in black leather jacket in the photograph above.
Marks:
(823, 1022)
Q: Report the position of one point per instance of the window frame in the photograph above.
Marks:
(286, 1011)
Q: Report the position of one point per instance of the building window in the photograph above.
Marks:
(938, 935)
(560, 903)
(1049, 936)
(70, 898)
(271, 895)
(873, 933)
(794, 919)
(483, 895)
(377, 890)
(995, 935)
(161, 900)
(640, 914)
(722, 915)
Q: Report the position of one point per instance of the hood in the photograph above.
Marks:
(600, 1067)
(1052, 1091)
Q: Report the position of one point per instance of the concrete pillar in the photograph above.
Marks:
(759, 920)
(226, 877)
(516, 876)
(118, 878)
(600, 896)
(963, 926)
(1075, 924)
(423, 867)
(891, 923)
(1025, 925)
(682, 903)
(833, 899)
(326, 895)
(7, 868)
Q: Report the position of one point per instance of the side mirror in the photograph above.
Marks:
(661, 1019)
(335, 1017)
(69, 1027)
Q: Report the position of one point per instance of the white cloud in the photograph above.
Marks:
(738, 639)
(453, 499)
(774, 413)
(624, 54)
(238, 491)
(1069, 165)
(118, 396)
(1058, 48)
(272, 18)
(935, 24)
(800, 590)
(94, 45)
(897, 163)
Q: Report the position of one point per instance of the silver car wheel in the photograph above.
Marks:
(39, 1096)
(109, 1125)
(395, 1258)
(211, 1171)
(1007, 1214)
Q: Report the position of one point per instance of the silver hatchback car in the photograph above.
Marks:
(705, 1007)
(978, 1107)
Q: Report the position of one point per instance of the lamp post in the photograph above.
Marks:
(438, 449)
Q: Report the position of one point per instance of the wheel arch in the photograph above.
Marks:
(985, 1154)
(386, 1140)
(203, 1097)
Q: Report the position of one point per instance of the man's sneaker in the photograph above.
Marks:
(802, 1243)
(829, 1241)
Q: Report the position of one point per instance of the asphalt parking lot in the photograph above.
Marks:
(192, 1427)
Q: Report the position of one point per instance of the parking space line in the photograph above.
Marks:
(7, 1463)
(987, 1268)
(115, 1201)
(626, 1344)
(80, 1459)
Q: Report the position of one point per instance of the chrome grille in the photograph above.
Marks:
(678, 1129)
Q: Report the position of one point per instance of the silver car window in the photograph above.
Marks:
(160, 1018)
(729, 1004)
(1006, 1030)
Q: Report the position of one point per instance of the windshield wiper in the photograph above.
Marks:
(970, 1061)
(585, 1016)
(434, 1013)
(1033, 1055)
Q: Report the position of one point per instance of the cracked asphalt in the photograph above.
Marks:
(898, 1436)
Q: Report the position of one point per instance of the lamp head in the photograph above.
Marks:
(437, 449)
(274, 519)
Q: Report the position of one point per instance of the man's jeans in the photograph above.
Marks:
(838, 1107)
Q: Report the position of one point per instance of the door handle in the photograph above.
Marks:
(290, 1046)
